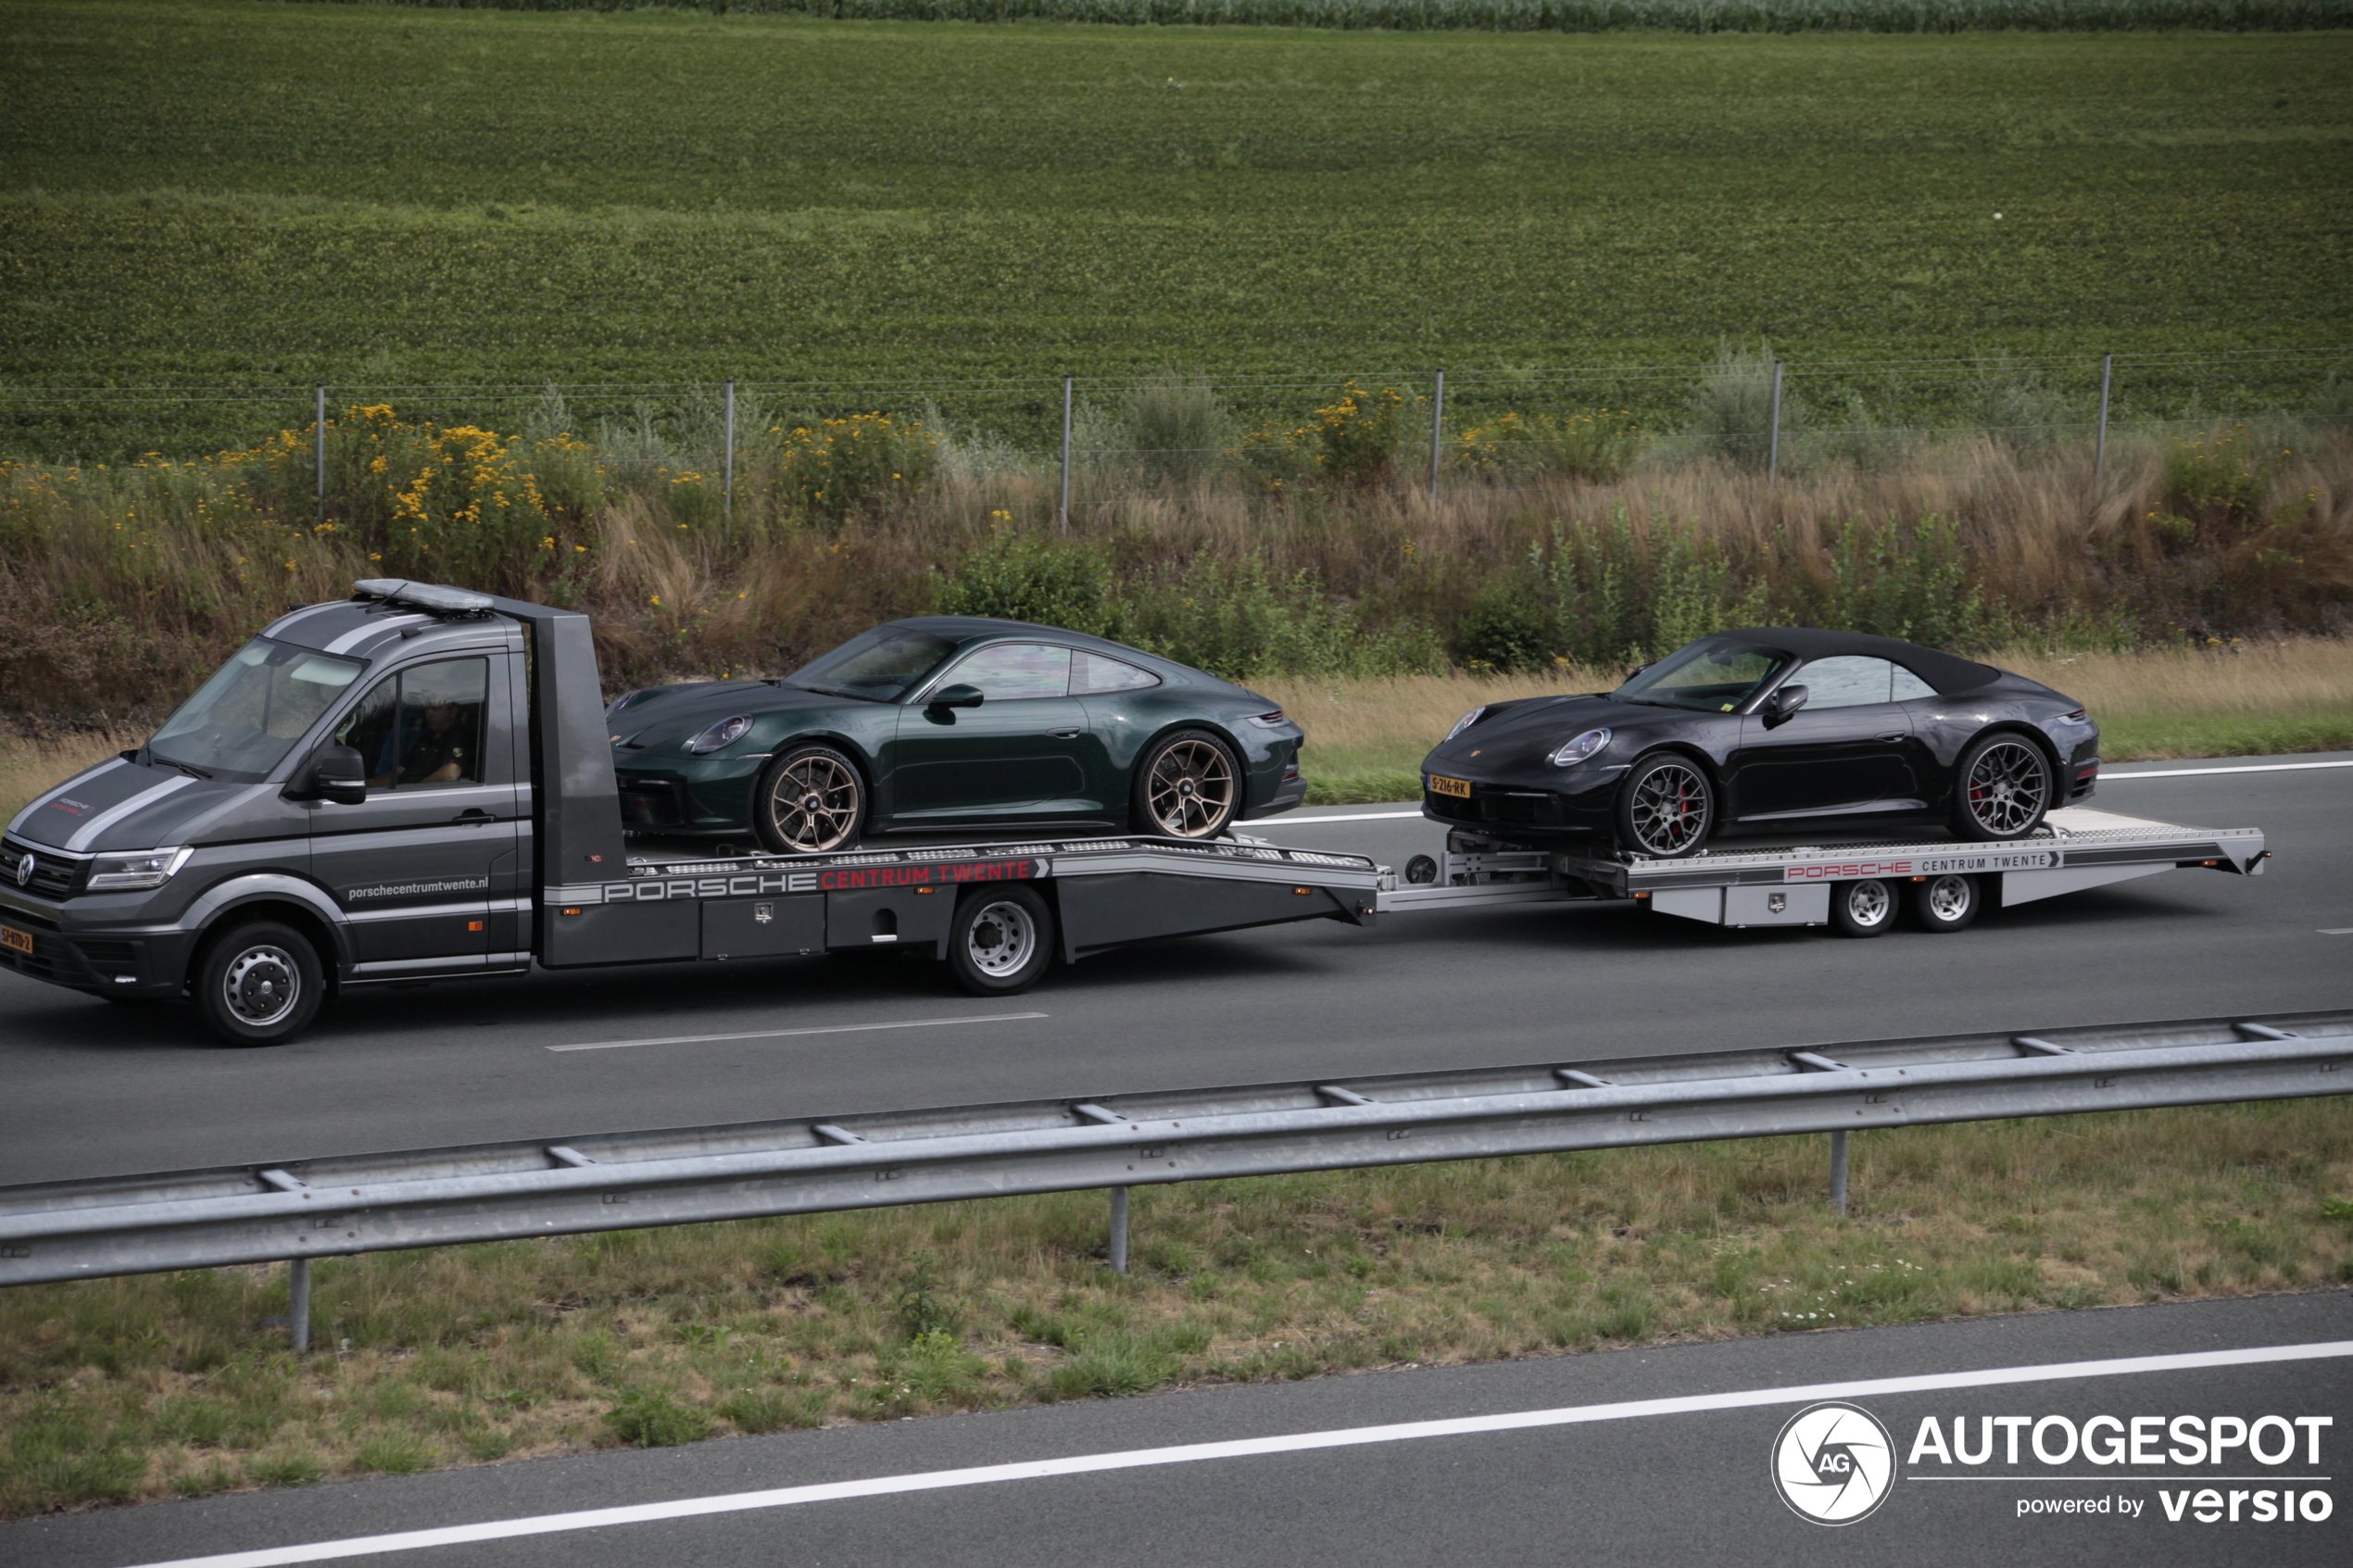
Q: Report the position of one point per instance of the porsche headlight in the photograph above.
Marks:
(727, 732)
(1581, 748)
(1465, 722)
(136, 869)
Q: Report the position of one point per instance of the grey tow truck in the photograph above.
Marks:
(416, 783)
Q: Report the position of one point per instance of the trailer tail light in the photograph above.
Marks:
(473, 925)
(1303, 892)
(570, 911)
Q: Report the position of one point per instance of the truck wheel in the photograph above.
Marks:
(1946, 903)
(1002, 940)
(1666, 807)
(259, 983)
(1862, 909)
(1187, 786)
(2001, 789)
(810, 800)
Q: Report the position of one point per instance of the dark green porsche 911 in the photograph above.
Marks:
(952, 724)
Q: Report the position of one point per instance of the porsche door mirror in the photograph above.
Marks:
(338, 776)
(1782, 705)
(958, 695)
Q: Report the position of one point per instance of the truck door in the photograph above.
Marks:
(1026, 751)
(418, 867)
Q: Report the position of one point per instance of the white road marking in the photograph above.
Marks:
(2336, 930)
(2192, 773)
(2104, 778)
(776, 1034)
(1246, 1447)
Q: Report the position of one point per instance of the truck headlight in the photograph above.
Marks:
(1585, 745)
(135, 869)
(727, 732)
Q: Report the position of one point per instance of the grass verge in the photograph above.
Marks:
(124, 1390)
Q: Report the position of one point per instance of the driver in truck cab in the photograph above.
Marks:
(429, 734)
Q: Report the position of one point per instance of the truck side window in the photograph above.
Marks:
(421, 728)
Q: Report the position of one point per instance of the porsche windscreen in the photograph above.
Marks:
(882, 665)
(249, 715)
(1713, 675)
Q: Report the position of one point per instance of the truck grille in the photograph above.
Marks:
(54, 876)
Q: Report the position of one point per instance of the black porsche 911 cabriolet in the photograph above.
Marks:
(1769, 730)
(954, 724)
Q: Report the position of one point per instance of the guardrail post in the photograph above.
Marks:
(1066, 506)
(1119, 1230)
(2100, 452)
(318, 452)
(1437, 431)
(1773, 451)
(1838, 1171)
(299, 1302)
(727, 464)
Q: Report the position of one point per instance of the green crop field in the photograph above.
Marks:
(221, 193)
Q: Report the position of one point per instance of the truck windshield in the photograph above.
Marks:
(879, 666)
(1713, 675)
(245, 719)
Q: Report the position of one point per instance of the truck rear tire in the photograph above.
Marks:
(259, 984)
(1862, 909)
(1002, 940)
(1947, 903)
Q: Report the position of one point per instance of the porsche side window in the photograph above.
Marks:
(1011, 671)
(1848, 681)
(1908, 685)
(1093, 675)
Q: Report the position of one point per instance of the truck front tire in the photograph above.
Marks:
(259, 984)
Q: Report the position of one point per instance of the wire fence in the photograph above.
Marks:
(1426, 424)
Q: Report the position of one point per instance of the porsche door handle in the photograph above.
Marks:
(1064, 735)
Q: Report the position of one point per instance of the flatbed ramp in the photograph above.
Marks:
(1786, 881)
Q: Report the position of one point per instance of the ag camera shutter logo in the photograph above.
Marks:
(1834, 1463)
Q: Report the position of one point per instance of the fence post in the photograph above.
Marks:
(318, 444)
(299, 1302)
(2100, 452)
(727, 472)
(1119, 1230)
(1437, 432)
(1838, 1171)
(1773, 453)
(1066, 507)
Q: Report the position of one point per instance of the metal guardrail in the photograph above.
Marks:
(363, 1203)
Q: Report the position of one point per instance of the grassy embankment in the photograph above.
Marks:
(152, 1386)
(222, 194)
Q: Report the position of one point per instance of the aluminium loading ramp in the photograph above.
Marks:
(1775, 882)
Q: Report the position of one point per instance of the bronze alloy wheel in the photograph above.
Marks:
(1189, 787)
(1667, 808)
(813, 801)
(2006, 785)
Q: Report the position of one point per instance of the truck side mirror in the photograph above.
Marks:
(959, 696)
(338, 776)
(1782, 705)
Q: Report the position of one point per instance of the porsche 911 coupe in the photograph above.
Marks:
(954, 724)
(1769, 730)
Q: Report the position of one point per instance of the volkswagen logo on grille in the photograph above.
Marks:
(24, 868)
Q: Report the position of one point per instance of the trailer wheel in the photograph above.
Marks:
(1862, 909)
(1002, 940)
(1946, 903)
(259, 984)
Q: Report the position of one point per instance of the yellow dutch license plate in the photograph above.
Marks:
(1441, 784)
(19, 940)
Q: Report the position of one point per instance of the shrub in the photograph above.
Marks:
(1595, 445)
(1506, 632)
(1177, 429)
(1028, 577)
(1357, 436)
(1731, 412)
(649, 1418)
(833, 467)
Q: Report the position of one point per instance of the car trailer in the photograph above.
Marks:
(1857, 885)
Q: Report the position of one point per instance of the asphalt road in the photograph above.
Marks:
(1535, 1467)
(96, 1090)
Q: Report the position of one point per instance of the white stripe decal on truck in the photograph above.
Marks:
(87, 834)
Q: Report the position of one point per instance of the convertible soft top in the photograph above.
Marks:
(1942, 671)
